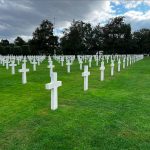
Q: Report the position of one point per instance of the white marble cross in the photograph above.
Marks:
(49, 61)
(34, 65)
(7, 64)
(119, 62)
(51, 66)
(3, 61)
(18, 61)
(24, 60)
(102, 68)
(90, 61)
(68, 66)
(124, 63)
(127, 61)
(85, 74)
(13, 65)
(107, 58)
(130, 60)
(85, 59)
(53, 86)
(38, 61)
(80, 62)
(49, 58)
(62, 61)
(96, 61)
(112, 67)
(24, 71)
(102, 59)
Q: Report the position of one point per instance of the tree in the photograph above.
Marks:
(77, 38)
(81, 38)
(4, 42)
(4, 47)
(43, 38)
(141, 40)
(19, 41)
(117, 36)
(97, 38)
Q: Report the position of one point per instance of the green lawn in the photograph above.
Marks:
(112, 115)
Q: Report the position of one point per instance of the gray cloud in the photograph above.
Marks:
(21, 17)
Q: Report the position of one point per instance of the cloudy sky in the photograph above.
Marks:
(21, 17)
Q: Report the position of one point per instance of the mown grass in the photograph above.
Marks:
(112, 115)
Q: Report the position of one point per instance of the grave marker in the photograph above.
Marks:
(119, 62)
(51, 66)
(24, 71)
(85, 74)
(13, 65)
(102, 68)
(68, 66)
(112, 67)
(53, 86)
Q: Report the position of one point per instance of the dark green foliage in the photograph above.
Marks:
(44, 40)
(114, 37)
(77, 39)
(4, 42)
(82, 38)
(141, 40)
(117, 36)
(19, 41)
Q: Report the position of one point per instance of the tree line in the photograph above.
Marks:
(116, 37)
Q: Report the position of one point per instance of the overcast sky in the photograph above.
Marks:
(21, 17)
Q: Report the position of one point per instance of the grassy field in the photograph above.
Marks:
(112, 115)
